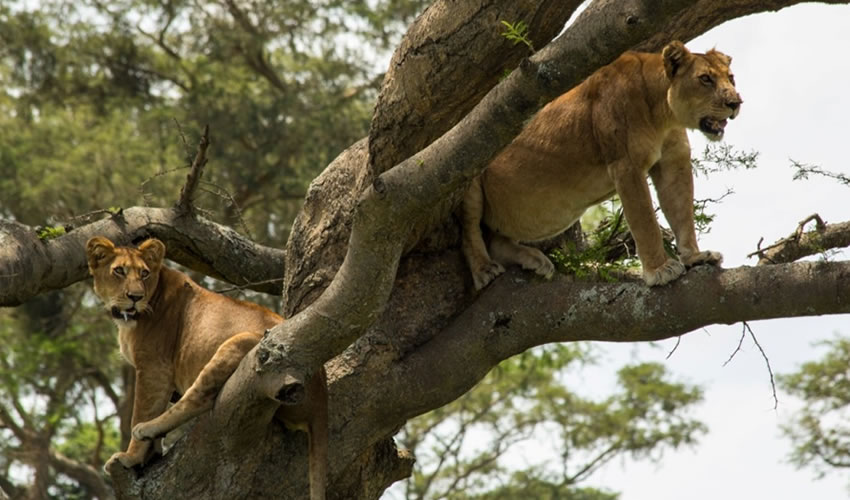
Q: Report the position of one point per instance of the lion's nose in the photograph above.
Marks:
(134, 297)
(734, 105)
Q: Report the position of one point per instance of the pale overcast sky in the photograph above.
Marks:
(793, 73)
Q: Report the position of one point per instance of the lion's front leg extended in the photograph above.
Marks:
(203, 391)
(674, 183)
(633, 190)
(153, 390)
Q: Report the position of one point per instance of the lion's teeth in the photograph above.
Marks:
(125, 316)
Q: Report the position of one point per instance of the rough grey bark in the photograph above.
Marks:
(402, 336)
(460, 46)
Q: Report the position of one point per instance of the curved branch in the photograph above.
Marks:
(30, 266)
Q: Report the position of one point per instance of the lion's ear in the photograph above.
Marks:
(726, 60)
(98, 249)
(153, 251)
(675, 55)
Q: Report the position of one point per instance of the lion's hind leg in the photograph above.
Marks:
(483, 268)
(508, 251)
(203, 391)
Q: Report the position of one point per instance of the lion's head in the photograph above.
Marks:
(702, 91)
(125, 278)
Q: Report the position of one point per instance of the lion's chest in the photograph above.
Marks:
(125, 340)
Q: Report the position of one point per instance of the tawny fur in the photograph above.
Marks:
(183, 338)
(626, 121)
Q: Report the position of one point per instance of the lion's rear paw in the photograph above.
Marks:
(538, 262)
(486, 273)
(669, 271)
(707, 257)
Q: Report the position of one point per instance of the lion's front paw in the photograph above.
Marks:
(486, 273)
(669, 271)
(145, 431)
(125, 459)
(707, 257)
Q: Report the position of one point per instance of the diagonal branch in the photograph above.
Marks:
(184, 203)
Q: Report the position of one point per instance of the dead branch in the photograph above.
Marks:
(678, 341)
(738, 348)
(801, 244)
(767, 363)
(184, 203)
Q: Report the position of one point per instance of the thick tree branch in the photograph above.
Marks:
(515, 314)
(706, 14)
(359, 291)
(30, 266)
(423, 85)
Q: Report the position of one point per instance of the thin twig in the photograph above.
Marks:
(767, 362)
(186, 149)
(678, 341)
(223, 193)
(145, 198)
(184, 204)
(740, 341)
(236, 288)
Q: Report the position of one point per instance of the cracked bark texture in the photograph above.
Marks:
(401, 336)
(30, 266)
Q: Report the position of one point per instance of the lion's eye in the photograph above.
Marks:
(732, 79)
(118, 271)
(145, 273)
(706, 79)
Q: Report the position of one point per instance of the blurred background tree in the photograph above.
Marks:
(98, 101)
(526, 403)
(819, 431)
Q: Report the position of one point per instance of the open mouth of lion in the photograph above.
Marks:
(126, 315)
(712, 127)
